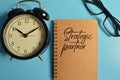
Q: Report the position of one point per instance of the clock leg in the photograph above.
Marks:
(11, 58)
(40, 56)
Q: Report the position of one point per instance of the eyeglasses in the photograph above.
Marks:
(110, 23)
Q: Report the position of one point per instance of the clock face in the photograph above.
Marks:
(24, 35)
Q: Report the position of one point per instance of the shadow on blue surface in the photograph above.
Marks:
(2, 20)
(51, 50)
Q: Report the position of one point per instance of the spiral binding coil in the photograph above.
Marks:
(55, 50)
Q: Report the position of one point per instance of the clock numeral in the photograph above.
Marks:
(12, 43)
(40, 43)
(25, 51)
(33, 48)
(26, 20)
(13, 29)
(18, 48)
(42, 36)
(34, 22)
(40, 28)
(19, 23)
(9, 35)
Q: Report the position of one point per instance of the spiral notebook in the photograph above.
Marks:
(75, 50)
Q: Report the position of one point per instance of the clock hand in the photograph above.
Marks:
(24, 35)
(20, 31)
(32, 30)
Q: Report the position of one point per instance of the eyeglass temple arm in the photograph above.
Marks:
(94, 3)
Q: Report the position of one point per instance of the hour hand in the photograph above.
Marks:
(20, 31)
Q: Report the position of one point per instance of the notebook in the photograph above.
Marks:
(75, 50)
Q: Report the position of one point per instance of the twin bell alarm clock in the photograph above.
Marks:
(25, 34)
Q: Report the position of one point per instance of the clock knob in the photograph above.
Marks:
(14, 12)
(41, 13)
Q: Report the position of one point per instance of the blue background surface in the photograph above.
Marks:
(34, 69)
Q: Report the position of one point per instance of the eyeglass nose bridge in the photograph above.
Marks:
(107, 13)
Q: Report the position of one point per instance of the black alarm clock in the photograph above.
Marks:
(25, 34)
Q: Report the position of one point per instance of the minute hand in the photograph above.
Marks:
(32, 30)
